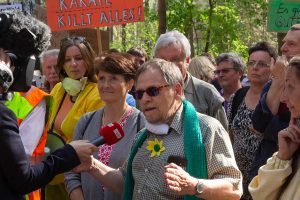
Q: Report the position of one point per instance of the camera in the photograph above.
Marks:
(23, 38)
(22, 65)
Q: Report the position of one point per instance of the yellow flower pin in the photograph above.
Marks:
(155, 147)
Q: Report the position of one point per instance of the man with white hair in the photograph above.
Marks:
(49, 61)
(181, 154)
(173, 46)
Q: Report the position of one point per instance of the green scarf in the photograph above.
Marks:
(196, 163)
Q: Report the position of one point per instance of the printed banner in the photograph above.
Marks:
(76, 14)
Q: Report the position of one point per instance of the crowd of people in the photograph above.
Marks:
(194, 127)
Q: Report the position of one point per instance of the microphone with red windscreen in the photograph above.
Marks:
(109, 134)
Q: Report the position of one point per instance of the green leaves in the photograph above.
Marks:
(219, 25)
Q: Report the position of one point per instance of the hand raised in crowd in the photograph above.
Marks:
(288, 141)
(278, 67)
(179, 181)
(84, 150)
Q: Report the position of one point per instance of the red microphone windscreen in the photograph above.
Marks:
(112, 133)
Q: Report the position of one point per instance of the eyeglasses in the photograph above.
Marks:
(224, 71)
(151, 91)
(258, 64)
(75, 40)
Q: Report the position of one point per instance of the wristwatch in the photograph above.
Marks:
(199, 188)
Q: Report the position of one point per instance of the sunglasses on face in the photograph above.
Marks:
(151, 91)
(224, 71)
(258, 64)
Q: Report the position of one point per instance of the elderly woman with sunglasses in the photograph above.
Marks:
(245, 139)
(115, 78)
(279, 178)
(74, 96)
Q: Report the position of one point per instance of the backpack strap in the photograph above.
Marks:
(138, 122)
(237, 100)
(88, 122)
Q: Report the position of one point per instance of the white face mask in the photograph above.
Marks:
(74, 87)
(158, 129)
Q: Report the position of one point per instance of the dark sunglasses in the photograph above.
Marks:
(151, 91)
(76, 40)
(224, 71)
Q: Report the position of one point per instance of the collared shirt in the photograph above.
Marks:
(148, 171)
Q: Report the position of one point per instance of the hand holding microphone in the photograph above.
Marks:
(109, 134)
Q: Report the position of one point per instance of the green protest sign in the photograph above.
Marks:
(283, 14)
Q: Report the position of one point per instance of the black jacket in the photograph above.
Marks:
(17, 177)
(265, 122)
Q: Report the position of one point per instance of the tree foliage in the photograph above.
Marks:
(215, 26)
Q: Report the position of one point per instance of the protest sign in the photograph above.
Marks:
(76, 14)
(283, 14)
(91, 34)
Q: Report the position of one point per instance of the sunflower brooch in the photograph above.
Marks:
(155, 147)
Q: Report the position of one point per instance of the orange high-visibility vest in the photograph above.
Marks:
(34, 96)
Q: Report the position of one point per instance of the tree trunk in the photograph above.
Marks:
(123, 35)
(280, 37)
(162, 16)
(192, 42)
(207, 44)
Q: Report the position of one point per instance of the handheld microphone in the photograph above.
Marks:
(109, 134)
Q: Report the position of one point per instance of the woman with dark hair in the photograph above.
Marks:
(115, 78)
(279, 179)
(77, 93)
(245, 139)
(74, 96)
(140, 55)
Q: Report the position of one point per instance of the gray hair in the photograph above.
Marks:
(237, 61)
(295, 27)
(201, 67)
(169, 70)
(173, 37)
(48, 53)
